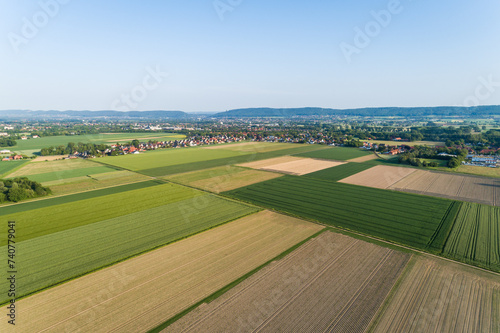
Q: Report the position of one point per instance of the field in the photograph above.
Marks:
(337, 153)
(222, 178)
(53, 201)
(331, 283)
(66, 253)
(475, 237)
(379, 176)
(172, 161)
(94, 181)
(364, 158)
(414, 143)
(143, 292)
(31, 146)
(399, 217)
(292, 165)
(251, 147)
(8, 166)
(441, 297)
(340, 172)
(460, 187)
(481, 171)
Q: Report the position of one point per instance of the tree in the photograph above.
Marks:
(453, 162)
(16, 194)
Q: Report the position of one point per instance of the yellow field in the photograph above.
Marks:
(143, 292)
(436, 296)
(292, 165)
(481, 171)
(380, 176)
(364, 158)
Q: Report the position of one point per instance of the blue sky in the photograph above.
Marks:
(225, 54)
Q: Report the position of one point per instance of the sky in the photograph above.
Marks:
(216, 55)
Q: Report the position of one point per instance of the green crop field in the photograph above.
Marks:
(475, 236)
(96, 194)
(59, 175)
(57, 255)
(172, 161)
(33, 145)
(337, 153)
(7, 166)
(340, 172)
(399, 217)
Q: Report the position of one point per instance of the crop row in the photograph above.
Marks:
(48, 260)
(395, 216)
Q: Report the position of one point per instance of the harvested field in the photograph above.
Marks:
(145, 291)
(481, 171)
(222, 178)
(292, 165)
(331, 283)
(271, 161)
(257, 147)
(380, 176)
(437, 296)
(364, 158)
(475, 237)
(337, 153)
(460, 187)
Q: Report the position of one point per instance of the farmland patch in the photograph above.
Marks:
(380, 176)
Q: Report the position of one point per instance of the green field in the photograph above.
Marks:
(57, 253)
(337, 153)
(8, 166)
(96, 194)
(340, 172)
(172, 161)
(475, 236)
(399, 217)
(60, 175)
(30, 146)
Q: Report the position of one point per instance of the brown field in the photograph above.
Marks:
(222, 179)
(331, 283)
(80, 184)
(380, 176)
(460, 187)
(292, 165)
(271, 161)
(437, 296)
(52, 166)
(49, 158)
(364, 158)
(138, 294)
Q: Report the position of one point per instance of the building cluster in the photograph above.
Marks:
(484, 161)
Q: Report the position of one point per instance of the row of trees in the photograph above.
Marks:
(423, 152)
(22, 188)
(71, 148)
(7, 142)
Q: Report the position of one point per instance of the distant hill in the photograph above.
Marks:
(94, 114)
(381, 112)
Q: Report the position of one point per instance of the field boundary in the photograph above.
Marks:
(233, 284)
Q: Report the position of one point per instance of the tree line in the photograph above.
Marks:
(21, 188)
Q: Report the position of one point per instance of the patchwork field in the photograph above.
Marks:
(292, 165)
(379, 176)
(83, 247)
(337, 153)
(8, 166)
(467, 188)
(340, 172)
(331, 283)
(172, 161)
(222, 178)
(143, 292)
(399, 217)
(475, 237)
(442, 297)
(94, 181)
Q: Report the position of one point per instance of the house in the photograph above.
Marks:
(35, 136)
(24, 138)
(6, 159)
(5, 151)
(18, 157)
(4, 134)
